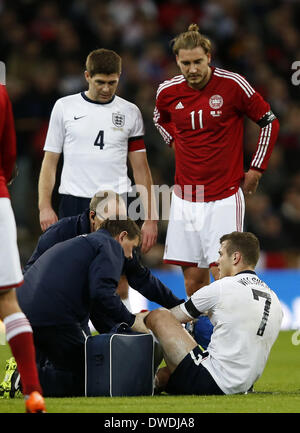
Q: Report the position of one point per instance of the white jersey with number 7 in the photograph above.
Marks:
(247, 317)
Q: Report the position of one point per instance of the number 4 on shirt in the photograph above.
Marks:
(100, 140)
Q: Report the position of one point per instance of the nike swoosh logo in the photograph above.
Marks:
(79, 117)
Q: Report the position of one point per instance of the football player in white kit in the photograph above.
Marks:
(96, 131)
(246, 315)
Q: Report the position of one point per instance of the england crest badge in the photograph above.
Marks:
(118, 119)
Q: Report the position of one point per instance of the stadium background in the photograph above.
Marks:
(44, 45)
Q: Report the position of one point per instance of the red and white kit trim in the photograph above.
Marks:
(164, 133)
(264, 141)
(175, 80)
(16, 324)
(240, 210)
(237, 78)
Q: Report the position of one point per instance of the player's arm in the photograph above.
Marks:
(203, 300)
(259, 111)
(269, 125)
(163, 122)
(53, 148)
(143, 180)
(142, 280)
(181, 316)
(268, 135)
(46, 185)
(104, 275)
(251, 181)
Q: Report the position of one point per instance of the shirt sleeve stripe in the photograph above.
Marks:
(263, 146)
(164, 133)
(191, 309)
(166, 136)
(238, 77)
(169, 83)
(231, 77)
(138, 137)
(261, 139)
(136, 144)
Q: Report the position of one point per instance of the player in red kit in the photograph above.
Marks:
(18, 329)
(200, 113)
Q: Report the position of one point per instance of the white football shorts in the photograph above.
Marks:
(195, 228)
(10, 267)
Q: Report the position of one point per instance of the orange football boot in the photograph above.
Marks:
(35, 403)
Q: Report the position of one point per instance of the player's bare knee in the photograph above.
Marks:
(154, 318)
(151, 319)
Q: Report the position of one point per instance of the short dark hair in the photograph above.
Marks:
(191, 39)
(116, 226)
(103, 61)
(244, 242)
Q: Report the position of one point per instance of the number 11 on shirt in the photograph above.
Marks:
(192, 114)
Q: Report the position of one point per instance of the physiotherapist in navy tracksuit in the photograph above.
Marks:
(138, 276)
(59, 291)
(62, 287)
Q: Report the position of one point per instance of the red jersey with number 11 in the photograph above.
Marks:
(207, 127)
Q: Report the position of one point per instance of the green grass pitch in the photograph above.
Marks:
(277, 391)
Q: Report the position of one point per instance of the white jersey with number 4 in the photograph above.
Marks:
(95, 139)
(247, 316)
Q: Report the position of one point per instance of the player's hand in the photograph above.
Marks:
(251, 181)
(47, 218)
(149, 235)
(139, 324)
